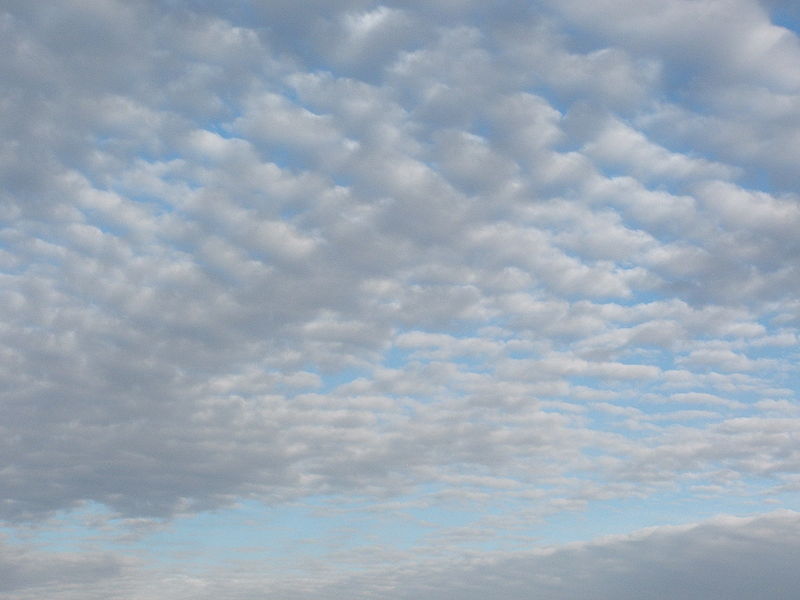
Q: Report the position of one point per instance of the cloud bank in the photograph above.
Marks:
(736, 558)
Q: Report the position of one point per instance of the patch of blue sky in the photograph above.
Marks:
(750, 495)
(621, 426)
(786, 14)
(451, 507)
(283, 157)
(487, 527)
(290, 212)
(396, 357)
(624, 515)
(763, 181)
(332, 380)
(311, 528)
(219, 536)
(482, 127)
(156, 203)
(519, 354)
(208, 537)
(590, 519)
(782, 496)
(471, 363)
(443, 515)
(771, 352)
(594, 518)
(109, 226)
(791, 378)
(342, 179)
(220, 128)
(357, 526)
(66, 531)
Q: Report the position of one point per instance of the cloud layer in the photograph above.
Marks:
(728, 557)
(515, 261)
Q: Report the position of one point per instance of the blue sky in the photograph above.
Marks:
(450, 299)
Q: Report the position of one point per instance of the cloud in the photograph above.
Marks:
(726, 558)
(619, 144)
(26, 569)
(720, 558)
(452, 255)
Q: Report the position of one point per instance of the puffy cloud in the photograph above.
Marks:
(618, 145)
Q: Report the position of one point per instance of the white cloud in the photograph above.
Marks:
(619, 145)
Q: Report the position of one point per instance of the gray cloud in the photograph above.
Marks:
(722, 559)
(26, 569)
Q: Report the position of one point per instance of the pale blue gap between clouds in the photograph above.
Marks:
(446, 280)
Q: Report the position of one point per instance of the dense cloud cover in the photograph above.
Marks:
(525, 263)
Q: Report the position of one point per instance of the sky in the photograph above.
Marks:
(412, 300)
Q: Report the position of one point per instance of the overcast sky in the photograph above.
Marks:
(413, 300)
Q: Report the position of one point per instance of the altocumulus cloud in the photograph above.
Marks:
(409, 299)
